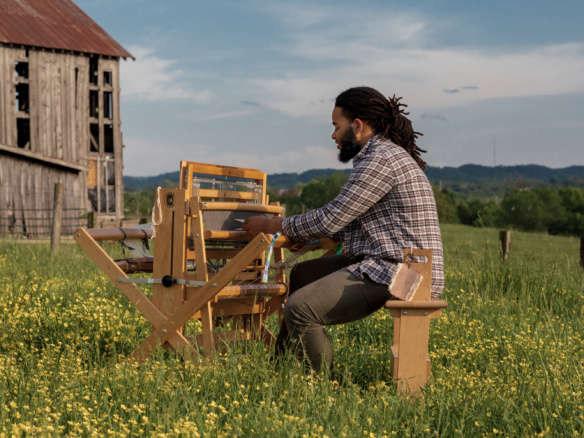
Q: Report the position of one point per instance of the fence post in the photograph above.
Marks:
(582, 251)
(505, 243)
(57, 218)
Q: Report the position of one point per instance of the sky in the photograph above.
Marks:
(253, 83)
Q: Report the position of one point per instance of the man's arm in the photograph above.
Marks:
(371, 179)
(262, 224)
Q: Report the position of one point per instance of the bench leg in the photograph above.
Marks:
(411, 364)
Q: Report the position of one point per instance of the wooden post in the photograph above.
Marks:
(582, 251)
(57, 216)
(505, 243)
(91, 219)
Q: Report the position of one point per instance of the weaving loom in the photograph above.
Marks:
(204, 266)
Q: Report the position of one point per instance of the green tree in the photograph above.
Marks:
(479, 213)
(292, 203)
(572, 220)
(320, 191)
(572, 199)
(533, 209)
(446, 206)
(138, 204)
(523, 210)
(488, 215)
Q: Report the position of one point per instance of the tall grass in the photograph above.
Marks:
(507, 357)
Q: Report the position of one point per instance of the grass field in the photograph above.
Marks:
(508, 357)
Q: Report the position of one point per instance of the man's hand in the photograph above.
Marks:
(262, 224)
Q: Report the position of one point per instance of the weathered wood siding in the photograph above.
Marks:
(26, 195)
(59, 126)
(59, 114)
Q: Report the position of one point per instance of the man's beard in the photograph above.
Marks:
(349, 146)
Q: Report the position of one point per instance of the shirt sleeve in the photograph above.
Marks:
(371, 179)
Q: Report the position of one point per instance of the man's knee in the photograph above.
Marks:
(296, 312)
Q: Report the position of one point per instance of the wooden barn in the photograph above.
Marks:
(59, 116)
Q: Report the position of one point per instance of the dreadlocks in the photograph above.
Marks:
(385, 116)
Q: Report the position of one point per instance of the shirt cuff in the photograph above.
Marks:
(288, 228)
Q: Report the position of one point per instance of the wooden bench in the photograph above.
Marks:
(411, 326)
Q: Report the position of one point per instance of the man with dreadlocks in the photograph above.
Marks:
(386, 205)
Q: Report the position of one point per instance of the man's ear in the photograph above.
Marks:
(357, 125)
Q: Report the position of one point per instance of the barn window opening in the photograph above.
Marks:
(22, 102)
(23, 133)
(107, 78)
(108, 105)
(21, 69)
(110, 171)
(111, 200)
(108, 139)
(94, 137)
(93, 68)
(93, 103)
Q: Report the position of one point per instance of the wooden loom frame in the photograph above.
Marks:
(176, 296)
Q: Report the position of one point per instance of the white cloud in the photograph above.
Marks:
(151, 156)
(304, 158)
(319, 51)
(299, 158)
(153, 78)
(433, 116)
(386, 50)
(227, 115)
(315, 28)
(421, 75)
(143, 157)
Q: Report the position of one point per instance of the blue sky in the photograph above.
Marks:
(252, 83)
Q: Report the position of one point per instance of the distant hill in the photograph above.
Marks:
(145, 182)
(476, 173)
(451, 176)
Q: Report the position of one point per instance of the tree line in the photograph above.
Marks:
(552, 209)
(556, 210)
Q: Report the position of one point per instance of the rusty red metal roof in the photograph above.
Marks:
(55, 24)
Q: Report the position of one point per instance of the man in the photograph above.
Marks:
(386, 205)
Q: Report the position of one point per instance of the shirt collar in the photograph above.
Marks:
(364, 149)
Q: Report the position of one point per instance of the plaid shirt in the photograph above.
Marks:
(386, 205)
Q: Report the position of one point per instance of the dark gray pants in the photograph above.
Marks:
(323, 293)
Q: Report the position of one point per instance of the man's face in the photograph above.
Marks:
(344, 136)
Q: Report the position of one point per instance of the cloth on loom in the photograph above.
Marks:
(139, 247)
